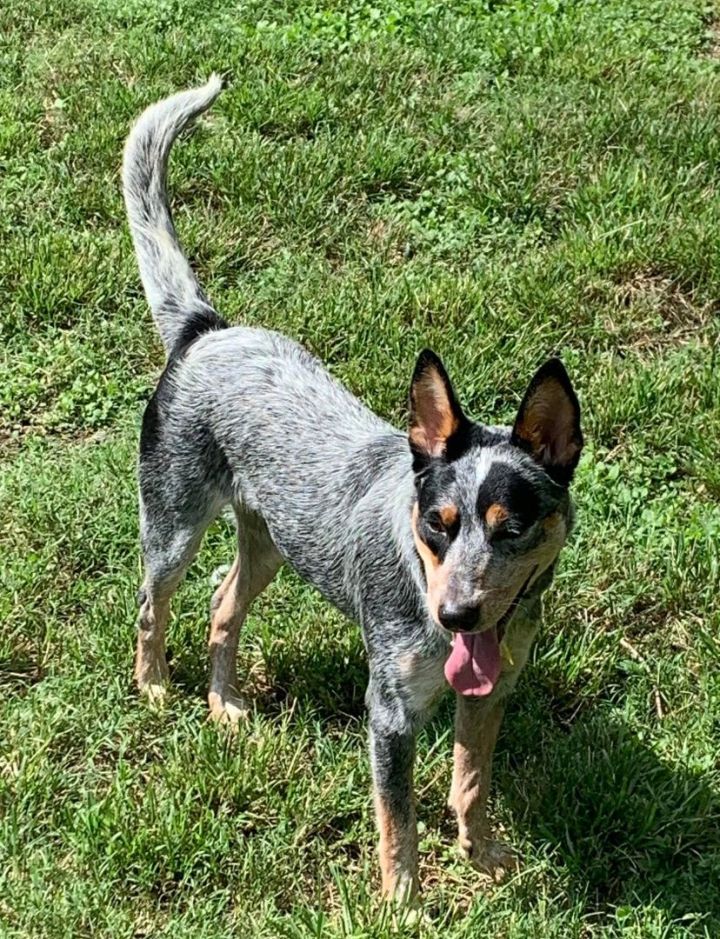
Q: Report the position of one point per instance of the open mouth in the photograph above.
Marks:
(473, 666)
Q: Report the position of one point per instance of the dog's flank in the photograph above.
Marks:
(180, 308)
(439, 540)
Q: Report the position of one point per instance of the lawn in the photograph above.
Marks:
(501, 181)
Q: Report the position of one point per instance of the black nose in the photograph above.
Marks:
(458, 619)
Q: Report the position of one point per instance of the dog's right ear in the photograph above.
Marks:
(548, 422)
(436, 418)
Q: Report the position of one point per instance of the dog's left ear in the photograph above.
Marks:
(548, 422)
(436, 418)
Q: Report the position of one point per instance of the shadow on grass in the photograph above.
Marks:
(326, 678)
(627, 828)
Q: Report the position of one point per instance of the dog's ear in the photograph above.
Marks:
(436, 419)
(548, 422)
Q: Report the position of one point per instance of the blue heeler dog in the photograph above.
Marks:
(438, 541)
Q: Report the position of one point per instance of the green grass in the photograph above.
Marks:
(499, 180)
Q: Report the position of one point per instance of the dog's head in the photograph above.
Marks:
(492, 509)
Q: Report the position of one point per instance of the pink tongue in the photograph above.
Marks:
(474, 663)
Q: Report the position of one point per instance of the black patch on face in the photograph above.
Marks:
(433, 487)
(467, 437)
(506, 487)
(471, 436)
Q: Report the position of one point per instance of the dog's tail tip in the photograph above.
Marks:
(208, 92)
(215, 83)
(169, 115)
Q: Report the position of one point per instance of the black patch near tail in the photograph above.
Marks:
(200, 321)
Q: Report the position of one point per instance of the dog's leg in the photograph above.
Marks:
(477, 723)
(255, 566)
(165, 566)
(174, 514)
(392, 754)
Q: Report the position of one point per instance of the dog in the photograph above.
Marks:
(438, 541)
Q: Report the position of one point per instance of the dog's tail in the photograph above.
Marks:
(179, 307)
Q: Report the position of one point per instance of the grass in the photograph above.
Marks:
(499, 180)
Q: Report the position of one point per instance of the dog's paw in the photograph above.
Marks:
(492, 858)
(152, 675)
(154, 693)
(229, 709)
(154, 690)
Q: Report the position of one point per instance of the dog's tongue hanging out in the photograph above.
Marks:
(474, 663)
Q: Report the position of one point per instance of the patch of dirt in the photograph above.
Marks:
(393, 243)
(712, 36)
(662, 312)
(54, 124)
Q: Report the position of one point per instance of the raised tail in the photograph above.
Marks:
(179, 306)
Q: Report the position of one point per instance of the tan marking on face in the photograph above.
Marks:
(436, 573)
(398, 851)
(496, 515)
(544, 554)
(502, 582)
(449, 515)
(555, 528)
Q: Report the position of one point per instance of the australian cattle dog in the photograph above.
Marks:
(438, 540)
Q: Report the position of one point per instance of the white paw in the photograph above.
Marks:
(227, 709)
(492, 858)
(154, 692)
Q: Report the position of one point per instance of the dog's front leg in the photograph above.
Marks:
(392, 754)
(477, 723)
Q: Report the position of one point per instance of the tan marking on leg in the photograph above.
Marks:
(256, 564)
(228, 580)
(423, 679)
(398, 853)
(476, 731)
(151, 670)
(228, 612)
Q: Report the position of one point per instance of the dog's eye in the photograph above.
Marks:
(507, 533)
(435, 524)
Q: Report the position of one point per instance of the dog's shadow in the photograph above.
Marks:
(325, 677)
(624, 827)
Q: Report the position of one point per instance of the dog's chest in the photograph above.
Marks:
(422, 679)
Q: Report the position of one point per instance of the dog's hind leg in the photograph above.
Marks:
(256, 564)
(171, 531)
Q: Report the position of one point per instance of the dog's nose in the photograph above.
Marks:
(457, 618)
